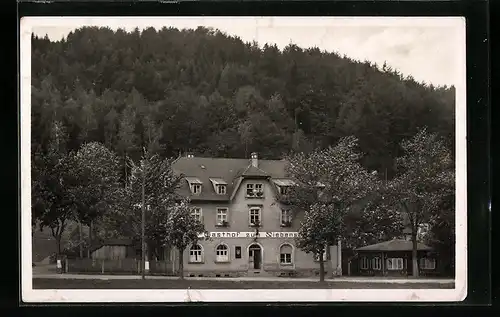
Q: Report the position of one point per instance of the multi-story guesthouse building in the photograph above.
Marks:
(251, 232)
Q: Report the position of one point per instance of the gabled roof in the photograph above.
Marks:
(395, 245)
(252, 171)
(228, 170)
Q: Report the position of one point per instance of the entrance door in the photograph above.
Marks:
(255, 256)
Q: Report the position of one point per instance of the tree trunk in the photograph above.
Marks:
(414, 255)
(58, 243)
(321, 269)
(181, 264)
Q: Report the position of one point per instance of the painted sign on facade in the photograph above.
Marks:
(249, 235)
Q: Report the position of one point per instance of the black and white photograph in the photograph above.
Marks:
(239, 159)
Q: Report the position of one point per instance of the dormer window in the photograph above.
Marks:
(196, 189)
(283, 190)
(195, 185)
(283, 185)
(221, 189)
(220, 186)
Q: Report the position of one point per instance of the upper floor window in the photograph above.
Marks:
(222, 217)
(428, 263)
(286, 218)
(222, 253)
(395, 264)
(196, 254)
(196, 213)
(255, 190)
(221, 189)
(254, 216)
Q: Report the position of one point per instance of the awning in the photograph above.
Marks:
(284, 182)
(193, 180)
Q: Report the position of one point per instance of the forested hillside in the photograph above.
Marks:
(211, 94)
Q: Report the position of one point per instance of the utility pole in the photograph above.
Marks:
(143, 206)
(81, 239)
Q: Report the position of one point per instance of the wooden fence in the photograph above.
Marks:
(116, 266)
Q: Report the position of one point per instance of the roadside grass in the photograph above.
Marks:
(45, 283)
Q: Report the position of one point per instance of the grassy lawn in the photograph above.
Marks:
(42, 283)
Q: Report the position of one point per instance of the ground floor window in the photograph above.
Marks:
(286, 254)
(196, 254)
(364, 263)
(395, 264)
(377, 263)
(428, 263)
(222, 253)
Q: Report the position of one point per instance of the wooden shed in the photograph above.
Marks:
(115, 249)
(394, 258)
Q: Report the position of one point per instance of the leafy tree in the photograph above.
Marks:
(442, 234)
(329, 182)
(371, 221)
(182, 230)
(321, 227)
(53, 203)
(160, 188)
(161, 184)
(98, 182)
(425, 179)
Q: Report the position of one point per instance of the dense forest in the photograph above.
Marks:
(205, 92)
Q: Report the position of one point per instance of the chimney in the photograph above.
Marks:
(255, 159)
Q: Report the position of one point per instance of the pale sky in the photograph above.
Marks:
(429, 49)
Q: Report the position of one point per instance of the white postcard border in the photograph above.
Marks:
(30, 295)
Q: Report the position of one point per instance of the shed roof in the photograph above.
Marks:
(111, 242)
(394, 245)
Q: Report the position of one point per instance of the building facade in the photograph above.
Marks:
(250, 233)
